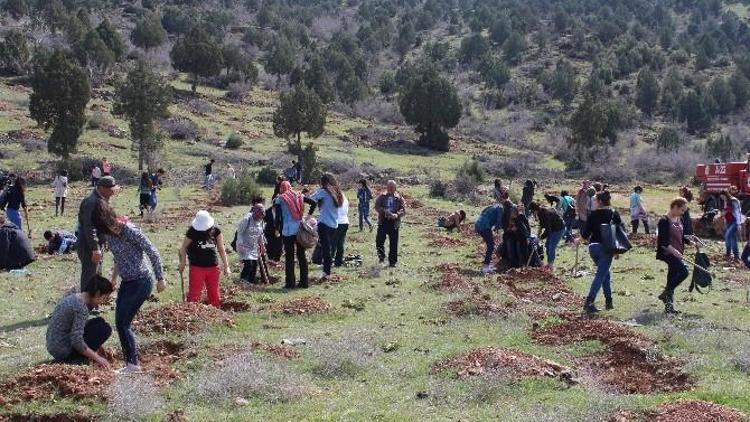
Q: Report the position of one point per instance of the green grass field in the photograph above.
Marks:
(371, 356)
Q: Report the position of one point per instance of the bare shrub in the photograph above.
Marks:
(238, 91)
(180, 128)
(134, 398)
(741, 360)
(200, 106)
(378, 109)
(347, 356)
(248, 376)
(98, 120)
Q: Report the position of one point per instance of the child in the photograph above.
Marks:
(452, 221)
(71, 336)
(251, 241)
(61, 191)
(364, 196)
(144, 193)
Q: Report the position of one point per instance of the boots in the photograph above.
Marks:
(590, 308)
(667, 296)
(608, 305)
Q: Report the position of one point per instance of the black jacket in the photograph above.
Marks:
(15, 249)
(592, 230)
(549, 222)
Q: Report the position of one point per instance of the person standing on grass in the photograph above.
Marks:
(527, 196)
(637, 210)
(106, 167)
(568, 206)
(156, 182)
(272, 233)
(329, 198)
(298, 170)
(583, 204)
(135, 257)
(670, 247)
(551, 228)
(90, 244)
(391, 208)
(71, 336)
(490, 221)
(604, 214)
(516, 233)
(203, 245)
(208, 169)
(250, 241)
(734, 219)
(364, 196)
(687, 221)
(96, 174)
(290, 209)
(339, 239)
(144, 193)
(500, 191)
(16, 201)
(60, 184)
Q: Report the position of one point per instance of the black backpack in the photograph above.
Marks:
(701, 278)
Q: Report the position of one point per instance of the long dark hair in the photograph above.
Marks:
(107, 222)
(100, 285)
(329, 183)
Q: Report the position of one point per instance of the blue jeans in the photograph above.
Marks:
(603, 276)
(130, 297)
(553, 239)
(489, 240)
(746, 255)
(730, 240)
(568, 232)
(364, 215)
(14, 216)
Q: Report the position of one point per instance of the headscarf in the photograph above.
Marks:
(258, 211)
(294, 201)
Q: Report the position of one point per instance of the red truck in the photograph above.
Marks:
(717, 177)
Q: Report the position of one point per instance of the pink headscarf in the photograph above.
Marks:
(294, 201)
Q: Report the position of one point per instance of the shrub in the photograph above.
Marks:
(234, 141)
(239, 191)
(180, 128)
(310, 165)
(134, 398)
(98, 120)
(471, 169)
(238, 91)
(438, 188)
(267, 176)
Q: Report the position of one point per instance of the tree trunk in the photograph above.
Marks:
(140, 155)
(194, 85)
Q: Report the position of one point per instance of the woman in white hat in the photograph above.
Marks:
(202, 242)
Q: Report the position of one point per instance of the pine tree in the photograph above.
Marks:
(143, 97)
(14, 53)
(722, 94)
(316, 78)
(494, 71)
(668, 140)
(111, 38)
(740, 86)
(16, 8)
(61, 91)
(299, 111)
(280, 60)
(430, 103)
(198, 54)
(513, 47)
(148, 32)
(647, 95)
(588, 124)
(564, 83)
(694, 112)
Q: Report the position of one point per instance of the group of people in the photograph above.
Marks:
(148, 188)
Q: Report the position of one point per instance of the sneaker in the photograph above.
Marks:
(129, 369)
(488, 270)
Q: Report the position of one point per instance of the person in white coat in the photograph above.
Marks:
(60, 184)
(251, 241)
(339, 238)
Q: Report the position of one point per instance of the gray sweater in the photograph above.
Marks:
(65, 328)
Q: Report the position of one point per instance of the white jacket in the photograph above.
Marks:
(61, 186)
(343, 212)
(249, 234)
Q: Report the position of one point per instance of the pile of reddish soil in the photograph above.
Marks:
(41, 249)
(302, 306)
(180, 317)
(723, 261)
(628, 366)
(643, 240)
(332, 279)
(541, 287)
(438, 240)
(279, 351)
(46, 380)
(234, 306)
(684, 411)
(451, 279)
(487, 360)
(157, 359)
(475, 305)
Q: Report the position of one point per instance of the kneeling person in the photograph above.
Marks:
(71, 336)
(452, 221)
(59, 242)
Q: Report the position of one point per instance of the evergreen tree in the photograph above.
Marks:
(316, 78)
(111, 38)
(198, 54)
(500, 30)
(564, 83)
(14, 53)
(588, 125)
(95, 54)
(668, 140)
(430, 103)
(513, 47)
(58, 101)
(740, 87)
(694, 112)
(177, 20)
(280, 60)
(721, 147)
(722, 95)
(494, 71)
(148, 32)
(143, 97)
(16, 8)
(672, 93)
(647, 95)
(472, 48)
(299, 111)
(406, 37)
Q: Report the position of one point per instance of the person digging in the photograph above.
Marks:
(670, 243)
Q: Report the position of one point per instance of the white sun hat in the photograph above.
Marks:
(202, 221)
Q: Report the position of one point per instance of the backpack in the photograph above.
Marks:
(307, 236)
(701, 278)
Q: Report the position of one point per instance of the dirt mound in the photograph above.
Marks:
(157, 359)
(630, 365)
(475, 305)
(31, 417)
(234, 306)
(331, 279)
(179, 317)
(302, 306)
(643, 240)
(452, 279)
(46, 380)
(489, 360)
(684, 411)
(438, 240)
(541, 287)
(279, 351)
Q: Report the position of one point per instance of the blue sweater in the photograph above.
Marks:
(490, 218)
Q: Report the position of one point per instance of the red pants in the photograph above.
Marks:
(208, 276)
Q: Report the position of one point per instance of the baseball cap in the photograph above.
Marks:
(107, 182)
